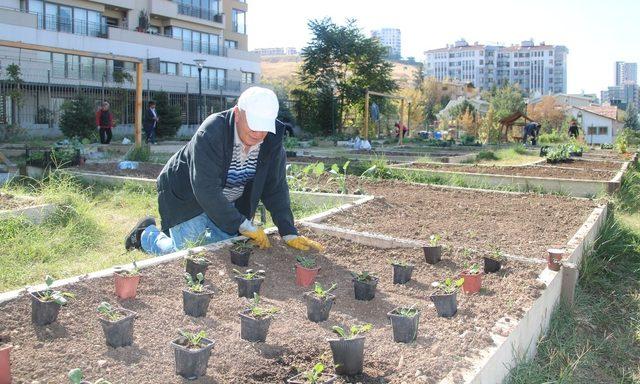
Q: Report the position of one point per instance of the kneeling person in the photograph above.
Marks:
(209, 190)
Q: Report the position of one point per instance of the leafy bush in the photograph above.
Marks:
(141, 153)
(486, 155)
(169, 116)
(520, 149)
(291, 142)
(77, 117)
(552, 138)
(468, 140)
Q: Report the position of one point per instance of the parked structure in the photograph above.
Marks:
(181, 42)
(390, 38)
(538, 69)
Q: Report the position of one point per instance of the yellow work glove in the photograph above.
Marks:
(256, 234)
(302, 243)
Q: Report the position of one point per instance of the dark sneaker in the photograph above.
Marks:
(132, 241)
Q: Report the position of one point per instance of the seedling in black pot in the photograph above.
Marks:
(255, 320)
(192, 352)
(77, 377)
(493, 262)
(401, 271)
(249, 282)
(433, 251)
(404, 321)
(314, 376)
(117, 324)
(240, 253)
(445, 297)
(364, 285)
(319, 302)
(196, 264)
(348, 349)
(45, 305)
(196, 297)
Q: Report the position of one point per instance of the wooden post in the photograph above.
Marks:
(400, 130)
(409, 117)
(138, 109)
(366, 114)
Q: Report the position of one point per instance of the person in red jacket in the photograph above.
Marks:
(104, 123)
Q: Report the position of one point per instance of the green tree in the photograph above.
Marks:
(461, 109)
(418, 76)
(169, 116)
(14, 75)
(506, 101)
(631, 118)
(341, 61)
(77, 117)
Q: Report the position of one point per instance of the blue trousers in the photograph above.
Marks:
(194, 232)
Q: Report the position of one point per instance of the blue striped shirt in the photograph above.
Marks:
(241, 170)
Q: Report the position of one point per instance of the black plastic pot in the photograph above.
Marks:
(192, 363)
(365, 290)
(119, 333)
(402, 273)
(196, 303)
(301, 378)
(318, 309)
(575, 154)
(246, 288)
(405, 329)
(43, 312)
(432, 254)
(446, 304)
(194, 268)
(348, 355)
(252, 329)
(240, 258)
(491, 265)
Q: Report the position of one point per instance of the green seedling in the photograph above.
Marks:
(321, 292)
(109, 312)
(52, 295)
(196, 258)
(306, 261)
(196, 285)
(496, 255)
(341, 177)
(135, 271)
(433, 240)
(472, 269)
(250, 274)
(193, 340)
(407, 311)
(76, 377)
(242, 246)
(354, 331)
(363, 276)
(399, 263)
(313, 376)
(257, 311)
(449, 285)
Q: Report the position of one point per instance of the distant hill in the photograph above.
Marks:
(276, 69)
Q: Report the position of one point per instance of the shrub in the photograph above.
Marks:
(486, 155)
(77, 117)
(169, 116)
(141, 153)
(552, 138)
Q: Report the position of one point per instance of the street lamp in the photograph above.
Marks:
(200, 64)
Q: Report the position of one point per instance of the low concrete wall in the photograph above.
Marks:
(36, 214)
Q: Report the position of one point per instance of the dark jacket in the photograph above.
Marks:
(148, 121)
(193, 179)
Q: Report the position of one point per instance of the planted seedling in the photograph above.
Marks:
(315, 374)
(307, 262)
(354, 331)
(257, 311)
(77, 377)
(135, 271)
(449, 286)
(407, 311)
(250, 274)
(242, 246)
(193, 340)
(496, 255)
(434, 240)
(49, 294)
(322, 293)
(109, 312)
(196, 285)
(196, 258)
(474, 269)
(363, 276)
(400, 263)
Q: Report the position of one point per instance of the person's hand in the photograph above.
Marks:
(256, 234)
(302, 243)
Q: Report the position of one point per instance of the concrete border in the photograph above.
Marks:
(35, 214)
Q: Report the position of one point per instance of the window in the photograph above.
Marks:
(80, 21)
(189, 70)
(603, 131)
(65, 18)
(58, 64)
(247, 77)
(99, 69)
(231, 44)
(168, 68)
(239, 21)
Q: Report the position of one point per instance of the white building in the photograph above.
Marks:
(626, 73)
(278, 51)
(600, 124)
(390, 38)
(167, 35)
(538, 69)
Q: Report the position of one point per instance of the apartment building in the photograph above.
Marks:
(622, 95)
(538, 68)
(390, 38)
(626, 73)
(178, 41)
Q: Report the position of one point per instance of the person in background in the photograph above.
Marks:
(104, 123)
(151, 123)
(574, 131)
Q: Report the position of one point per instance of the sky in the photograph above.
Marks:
(597, 33)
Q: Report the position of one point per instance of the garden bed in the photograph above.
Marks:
(293, 344)
(10, 202)
(519, 224)
(144, 170)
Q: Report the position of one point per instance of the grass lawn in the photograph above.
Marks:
(86, 233)
(598, 339)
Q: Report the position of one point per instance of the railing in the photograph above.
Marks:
(199, 46)
(199, 12)
(59, 23)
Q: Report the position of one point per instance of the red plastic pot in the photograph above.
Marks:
(554, 258)
(5, 365)
(126, 286)
(472, 282)
(305, 276)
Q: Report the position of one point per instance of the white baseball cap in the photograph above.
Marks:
(261, 107)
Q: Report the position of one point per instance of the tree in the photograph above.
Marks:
(467, 121)
(507, 101)
(488, 128)
(77, 117)
(416, 118)
(169, 116)
(14, 75)
(461, 109)
(418, 76)
(548, 113)
(631, 117)
(341, 61)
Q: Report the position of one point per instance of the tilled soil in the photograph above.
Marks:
(591, 164)
(145, 170)
(559, 171)
(519, 224)
(46, 354)
(608, 154)
(11, 202)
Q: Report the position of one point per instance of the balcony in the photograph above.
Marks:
(200, 13)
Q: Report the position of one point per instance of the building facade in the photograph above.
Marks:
(391, 38)
(600, 125)
(278, 51)
(626, 73)
(622, 95)
(538, 69)
(173, 38)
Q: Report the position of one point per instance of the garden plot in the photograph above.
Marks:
(518, 224)
(293, 343)
(25, 207)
